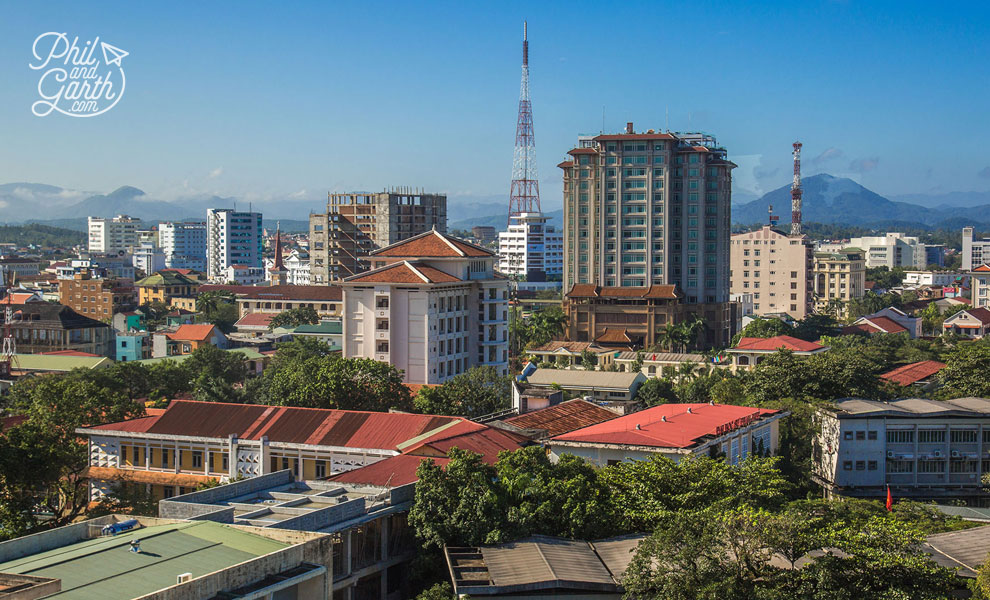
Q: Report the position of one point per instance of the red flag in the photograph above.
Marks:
(890, 499)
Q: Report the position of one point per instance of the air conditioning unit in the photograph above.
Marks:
(955, 454)
(890, 454)
(183, 577)
(937, 454)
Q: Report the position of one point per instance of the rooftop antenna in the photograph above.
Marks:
(602, 131)
(666, 121)
(524, 194)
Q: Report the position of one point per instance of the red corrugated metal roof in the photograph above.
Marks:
(486, 441)
(777, 343)
(394, 471)
(886, 324)
(196, 333)
(343, 428)
(667, 425)
(914, 372)
(564, 417)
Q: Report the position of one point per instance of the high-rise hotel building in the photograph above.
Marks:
(644, 209)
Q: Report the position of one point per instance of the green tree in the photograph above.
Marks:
(155, 314)
(328, 380)
(966, 371)
(294, 317)
(884, 277)
(219, 308)
(544, 325)
(215, 374)
(763, 328)
(814, 326)
(980, 586)
(476, 392)
(656, 390)
(589, 360)
(438, 591)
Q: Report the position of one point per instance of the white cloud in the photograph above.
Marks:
(216, 172)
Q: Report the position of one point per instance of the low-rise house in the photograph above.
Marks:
(658, 364)
(922, 449)
(128, 321)
(133, 345)
(920, 373)
(749, 352)
(44, 327)
(186, 339)
(165, 286)
(123, 556)
(568, 354)
(193, 442)
(543, 567)
(255, 324)
(328, 332)
(99, 298)
(21, 296)
(888, 320)
(675, 431)
(972, 323)
(981, 286)
(614, 388)
(244, 275)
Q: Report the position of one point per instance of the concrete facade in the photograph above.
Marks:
(840, 277)
(184, 244)
(776, 269)
(232, 239)
(975, 251)
(356, 224)
(531, 248)
(111, 236)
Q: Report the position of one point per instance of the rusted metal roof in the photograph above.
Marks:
(321, 427)
(563, 418)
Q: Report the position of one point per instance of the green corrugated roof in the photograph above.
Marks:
(248, 353)
(55, 362)
(105, 567)
(165, 278)
(324, 328)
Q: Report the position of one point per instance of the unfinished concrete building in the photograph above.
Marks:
(357, 223)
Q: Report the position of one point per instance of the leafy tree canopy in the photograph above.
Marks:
(294, 317)
(476, 392)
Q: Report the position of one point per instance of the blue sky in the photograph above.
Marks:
(276, 100)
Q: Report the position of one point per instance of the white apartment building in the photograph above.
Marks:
(232, 239)
(112, 236)
(148, 258)
(431, 306)
(531, 248)
(980, 286)
(892, 250)
(933, 278)
(184, 245)
(975, 252)
(922, 449)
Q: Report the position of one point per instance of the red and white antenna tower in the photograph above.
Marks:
(796, 192)
(525, 193)
(9, 346)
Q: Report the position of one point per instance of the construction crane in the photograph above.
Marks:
(796, 192)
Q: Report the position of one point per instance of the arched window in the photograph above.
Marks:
(743, 361)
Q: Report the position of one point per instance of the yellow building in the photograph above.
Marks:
(839, 277)
(165, 285)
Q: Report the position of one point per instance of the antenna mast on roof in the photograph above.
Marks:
(796, 192)
(524, 195)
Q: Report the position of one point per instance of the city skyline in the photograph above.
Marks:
(260, 107)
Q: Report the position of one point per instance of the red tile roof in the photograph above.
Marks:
(981, 314)
(563, 418)
(255, 320)
(668, 425)
(566, 164)
(583, 151)
(614, 336)
(195, 333)
(914, 372)
(634, 136)
(321, 427)
(775, 343)
(575, 347)
(404, 272)
(983, 268)
(884, 324)
(433, 244)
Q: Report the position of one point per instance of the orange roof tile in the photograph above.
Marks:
(404, 272)
(566, 164)
(914, 372)
(433, 244)
(588, 290)
(779, 342)
(196, 333)
(614, 336)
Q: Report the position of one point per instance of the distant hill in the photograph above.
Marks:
(40, 235)
(948, 200)
(499, 221)
(829, 199)
(125, 200)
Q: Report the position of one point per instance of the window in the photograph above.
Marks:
(931, 466)
(860, 435)
(860, 465)
(932, 436)
(197, 459)
(165, 452)
(872, 465)
(847, 465)
(900, 466)
(900, 437)
(872, 435)
(963, 436)
(321, 469)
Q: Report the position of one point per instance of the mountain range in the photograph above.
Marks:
(827, 199)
